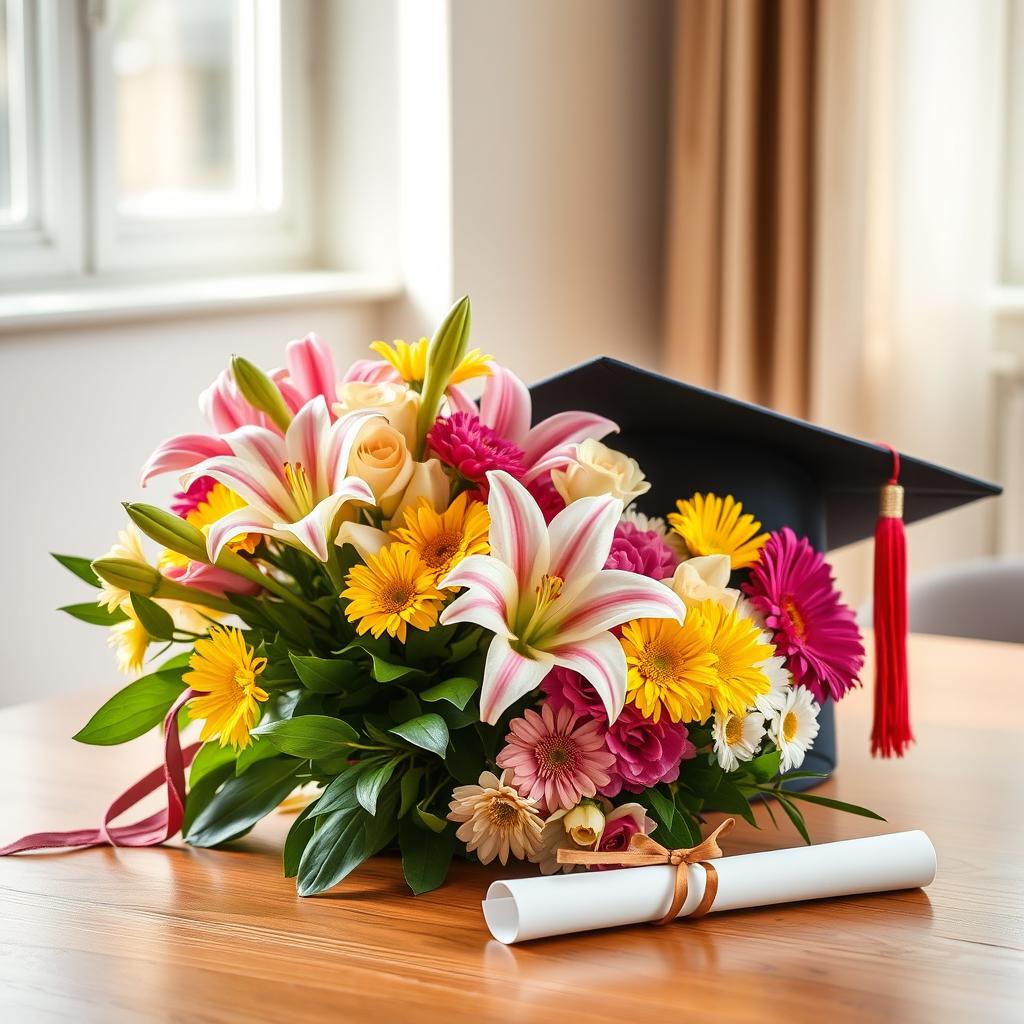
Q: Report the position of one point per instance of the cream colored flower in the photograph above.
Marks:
(496, 820)
(705, 578)
(130, 641)
(584, 824)
(562, 833)
(598, 470)
(129, 545)
(794, 727)
(428, 481)
(397, 403)
(381, 459)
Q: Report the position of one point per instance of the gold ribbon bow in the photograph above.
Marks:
(643, 851)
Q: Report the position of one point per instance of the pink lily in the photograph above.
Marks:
(506, 407)
(309, 372)
(545, 594)
(294, 486)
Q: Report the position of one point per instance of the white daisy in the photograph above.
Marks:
(781, 682)
(737, 738)
(794, 726)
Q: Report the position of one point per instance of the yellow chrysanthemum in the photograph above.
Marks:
(670, 669)
(224, 671)
(443, 539)
(710, 525)
(410, 361)
(216, 505)
(130, 641)
(129, 545)
(740, 648)
(392, 591)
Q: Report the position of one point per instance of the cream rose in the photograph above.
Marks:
(705, 578)
(397, 403)
(598, 469)
(381, 458)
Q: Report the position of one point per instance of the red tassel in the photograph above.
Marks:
(891, 733)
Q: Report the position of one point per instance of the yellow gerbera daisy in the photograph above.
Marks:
(740, 648)
(216, 505)
(443, 539)
(410, 361)
(710, 525)
(671, 669)
(393, 590)
(224, 671)
(130, 642)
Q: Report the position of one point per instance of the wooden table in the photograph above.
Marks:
(203, 935)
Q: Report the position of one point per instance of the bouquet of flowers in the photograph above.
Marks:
(429, 622)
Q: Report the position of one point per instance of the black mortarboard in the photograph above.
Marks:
(786, 472)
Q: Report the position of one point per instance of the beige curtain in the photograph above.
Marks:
(739, 230)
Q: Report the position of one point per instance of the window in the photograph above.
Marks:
(146, 136)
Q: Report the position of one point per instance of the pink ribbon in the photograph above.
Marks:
(157, 828)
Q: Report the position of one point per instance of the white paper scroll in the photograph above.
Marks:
(534, 908)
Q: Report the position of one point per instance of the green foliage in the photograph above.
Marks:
(426, 855)
(156, 621)
(81, 567)
(94, 614)
(427, 731)
(324, 675)
(371, 780)
(458, 691)
(309, 736)
(136, 709)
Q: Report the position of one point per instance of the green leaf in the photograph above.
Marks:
(427, 731)
(431, 820)
(420, 645)
(664, 808)
(79, 566)
(794, 816)
(836, 805)
(309, 736)
(156, 621)
(425, 856)
(404, 707)
(382, 670)
(242, 801)
(467, 645)
(676, 829)
(765, 767)
(94, 614)
(371, 782)
(297, 839)
(258, 750)
(132, 711)
(324, 675)
(202, 791)
(343, 841)
(340, 795)
(410, 789)
(728, 797)
(211, 756)
(465, 758)
(457, 691)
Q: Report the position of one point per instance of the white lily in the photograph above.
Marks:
(294, 486)
(545, 594)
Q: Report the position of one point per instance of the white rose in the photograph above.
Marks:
(598, 469)
(397, 403)
(705, 578)
(381, 458)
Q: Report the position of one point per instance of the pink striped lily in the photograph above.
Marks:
(506, 407)
(309, 372)
(295, 486)
(545, 594)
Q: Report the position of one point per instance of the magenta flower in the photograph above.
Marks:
(641, 551)
(617, 833)
(793, 590)
(556, 758)
(564, 688)
(189, 500)
(472, 449)
(544, 492)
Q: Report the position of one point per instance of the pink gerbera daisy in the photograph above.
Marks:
(793, 590)
(468, 446)
(189, 500)
(556, 758)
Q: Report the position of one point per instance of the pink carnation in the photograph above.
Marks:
(547, 497)
(641, 551)
(556, 758)
(189, 500)
(468, 446)
(564, 688)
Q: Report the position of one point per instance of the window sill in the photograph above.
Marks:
(109, 301)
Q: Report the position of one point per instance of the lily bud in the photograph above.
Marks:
(584, 823)
(445, 352)
(168, 530)
(127, 574)
(260, 391)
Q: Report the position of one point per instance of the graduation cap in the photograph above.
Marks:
(825, 486)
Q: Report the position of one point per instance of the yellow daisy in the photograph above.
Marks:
(216, 505)
(740, 648)
(410, 361)
(224, 671)
(129, 545)
(392, 591)
(710, 525)
(443, 539)
(130, 642)
(670, 669)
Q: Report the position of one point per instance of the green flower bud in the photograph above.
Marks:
(127, 574)
(446, 350)
(260, 391)
(168, 530)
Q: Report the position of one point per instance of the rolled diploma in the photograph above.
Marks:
(537, 907)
